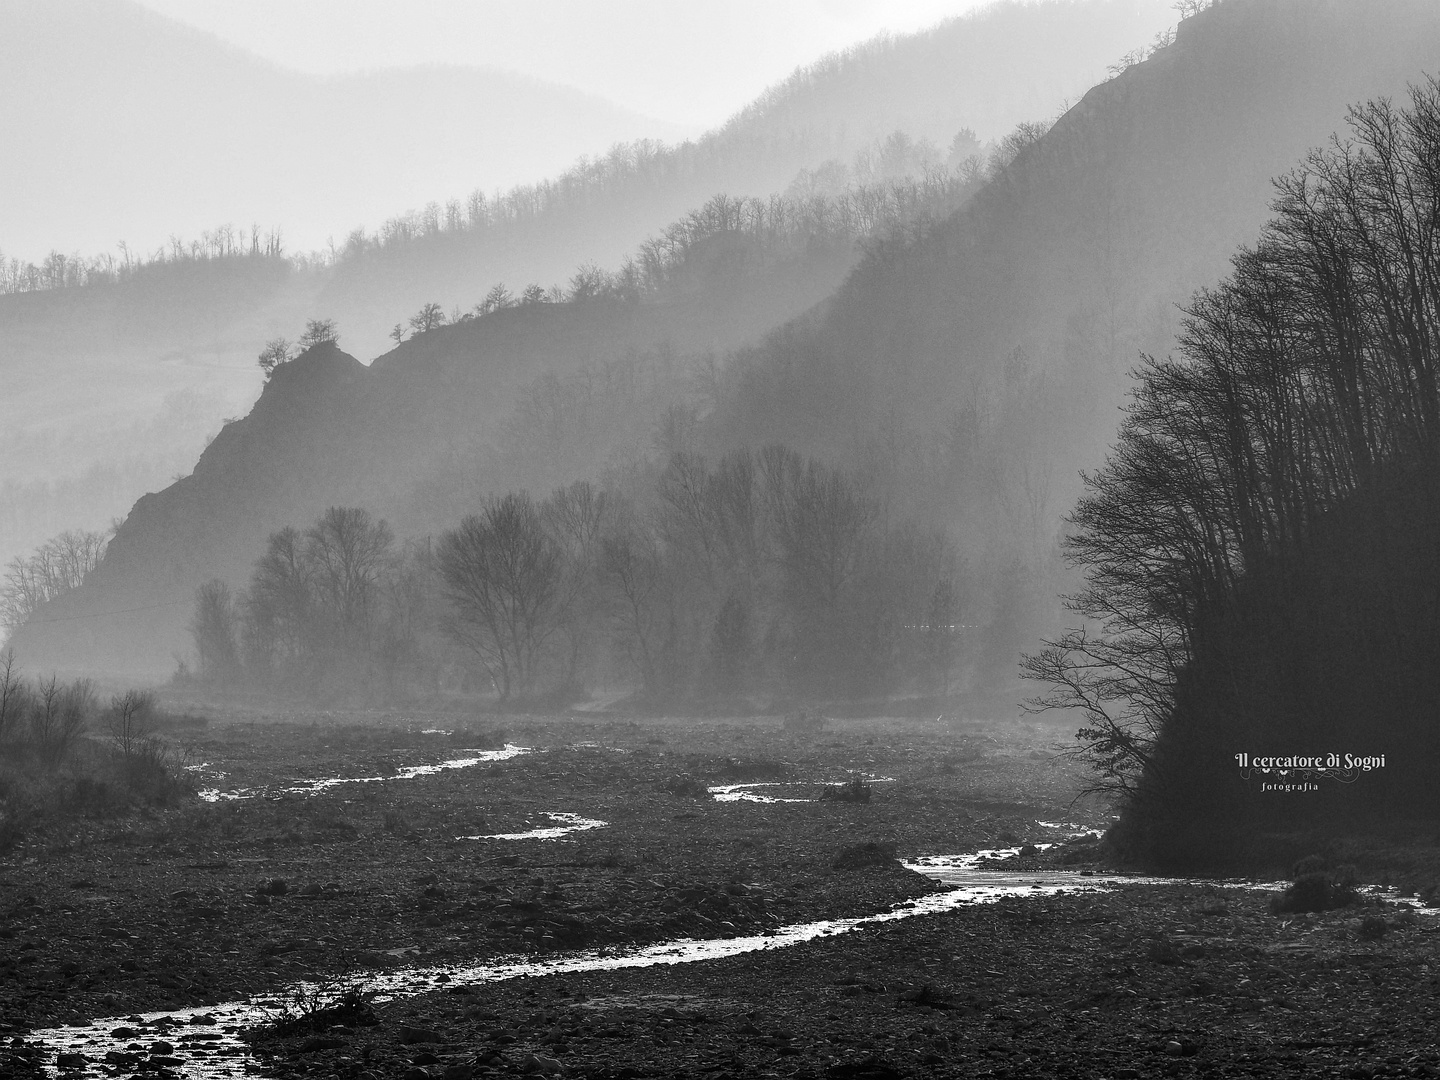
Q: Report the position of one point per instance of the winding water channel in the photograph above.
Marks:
(569, 823)
(409, 772)
(205, 1042)
(749, 792)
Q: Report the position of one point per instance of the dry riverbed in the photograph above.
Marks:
(223, 900)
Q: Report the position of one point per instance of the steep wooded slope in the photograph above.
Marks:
(410, 437)
(969, 372)
(84, 367)
(979, 369)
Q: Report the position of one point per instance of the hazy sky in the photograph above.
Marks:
(691, 62)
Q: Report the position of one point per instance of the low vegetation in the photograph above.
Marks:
(764, 575)
(63, 754)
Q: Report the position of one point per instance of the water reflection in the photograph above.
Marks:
(409, 772)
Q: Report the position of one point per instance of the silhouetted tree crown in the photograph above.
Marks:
(1301, 381)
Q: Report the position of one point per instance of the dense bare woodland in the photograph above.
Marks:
(749, 606)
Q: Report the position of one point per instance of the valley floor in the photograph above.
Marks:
(217, 901)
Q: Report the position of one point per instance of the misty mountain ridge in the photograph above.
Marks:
(193, 131)
(449, 413)
(195, 321)
(966, 371)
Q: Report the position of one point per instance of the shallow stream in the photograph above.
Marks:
(409, 772)
(749, 792)
(206, 1041)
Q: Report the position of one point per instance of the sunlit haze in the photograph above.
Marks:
(690, 63)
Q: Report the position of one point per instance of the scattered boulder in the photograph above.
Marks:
(929, 996)
(412, 1035)
(685, 787)
(860, 856)
(273, 887)
(321, 1042)
(1162, 951)
(1371, 928)
(855, 790)
(1315, 891)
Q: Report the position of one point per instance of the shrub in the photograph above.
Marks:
(855, 790)
(58, 716)
(49, 772)
(1315, 891)
(344, 1002)
(860, 856)
(686, 787)
(130, 721)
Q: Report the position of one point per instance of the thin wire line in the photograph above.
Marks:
(99, 614)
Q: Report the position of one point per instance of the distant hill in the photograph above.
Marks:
(532, 394)
(976, 371)
(88, 368)
(169, 131)
(968, 367)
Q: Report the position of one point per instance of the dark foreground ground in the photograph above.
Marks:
(111, 918)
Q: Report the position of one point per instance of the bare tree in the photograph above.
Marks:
(130, 722)
(53, 569)
(635, 570)
(213, 629)
(278, 606)
(319, 332)
(275, 353)
(575, 518)
(58, 716)
(589, 282)
(503, 575)
(428, 318)
(820, 519)
(14, 696)
(347, 553)
(496, 299)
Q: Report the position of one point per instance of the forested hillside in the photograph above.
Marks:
(526, 390)
(1261, 545)
(190, 319)
(974, 373)
(957, 379)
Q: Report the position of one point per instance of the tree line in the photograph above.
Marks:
(901, 188)
(753, 231)
(1304, 383)
(51, 570)
(762, 574)
(223, 244)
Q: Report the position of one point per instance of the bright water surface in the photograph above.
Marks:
(208, 1038)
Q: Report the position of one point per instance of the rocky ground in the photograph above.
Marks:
(212, 902)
